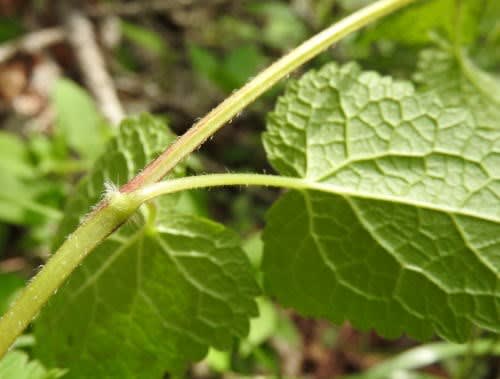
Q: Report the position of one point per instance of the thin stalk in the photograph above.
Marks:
(151, 191)
(234, 104)
(426, 355)
(467, 363)
(111, 213)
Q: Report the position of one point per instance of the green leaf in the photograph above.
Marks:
(78, 119)
(261, 327)
(150, 300)
(204, 62)
(16, 365)
(490, 22)
(458, 82)
(148, 39)
(219, 361)
(14, 156)
(231, 31)
(21, 184)
(403, 236)
(283, 29)
(16, 170)
(232, 70)
(154, 296)
(416, 23)
(15, 198)
(240, 64)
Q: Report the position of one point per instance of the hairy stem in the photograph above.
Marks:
(98, 225)
(112, 212)
(234, 104)
(151, 191)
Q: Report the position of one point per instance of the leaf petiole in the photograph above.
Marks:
(151, 191)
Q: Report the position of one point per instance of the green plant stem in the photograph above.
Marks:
(234, 104)
(151, 191)
(98, 225)
(428, 354)
(109, 215)
(467, 363)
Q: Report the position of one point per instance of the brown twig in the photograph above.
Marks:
(92, 65)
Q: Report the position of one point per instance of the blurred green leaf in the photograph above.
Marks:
(204, 62)
(253, 247)
(20, 184)
(193, 202)
(125, 58)
(230, 71)
(219, 361)
(15, 197)
(490, 22)
(352, 5)
(287, 332)
(78, 119)
(235, 30)
(239, 65)
(10, 28)
(283, 28)
(14, 156)
(51, 156)
(17, 365)
(262, 327)
(145, 38)
(416, 23)
(324, 11)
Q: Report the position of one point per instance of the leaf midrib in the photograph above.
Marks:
(289, 182)
(342, 191)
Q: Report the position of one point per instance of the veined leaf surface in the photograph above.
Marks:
(405, 237)
(154, 295)
(458, 82)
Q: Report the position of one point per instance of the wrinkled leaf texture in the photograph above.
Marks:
(408, 239)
